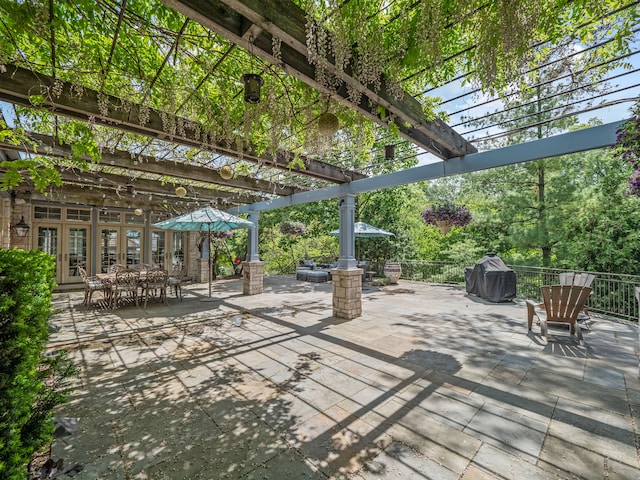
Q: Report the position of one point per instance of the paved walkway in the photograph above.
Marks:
(428, 383)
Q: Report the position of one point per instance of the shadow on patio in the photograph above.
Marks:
(427, 383)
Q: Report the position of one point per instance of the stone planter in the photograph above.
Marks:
(393, 271)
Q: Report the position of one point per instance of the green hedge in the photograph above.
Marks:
(31, 385)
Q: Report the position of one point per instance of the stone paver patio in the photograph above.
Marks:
(428, 383)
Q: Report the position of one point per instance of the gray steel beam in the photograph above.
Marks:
(572, 142)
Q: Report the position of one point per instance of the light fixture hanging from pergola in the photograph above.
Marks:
(226, 172)
(252, 83)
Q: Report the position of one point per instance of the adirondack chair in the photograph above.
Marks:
(581, 279)
(562, 304)
(584, 280)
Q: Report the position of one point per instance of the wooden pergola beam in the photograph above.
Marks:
(24, 87)
(286, 21)
(47, 145)
(85, 196)
(115, 184)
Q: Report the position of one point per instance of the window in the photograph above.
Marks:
(78, 215)
(48, 213)
(131, 219)
(109, 217)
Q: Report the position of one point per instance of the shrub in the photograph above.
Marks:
(31, 385)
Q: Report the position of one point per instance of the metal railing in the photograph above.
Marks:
(613, 294)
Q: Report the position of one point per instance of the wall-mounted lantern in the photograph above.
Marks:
(21, 228)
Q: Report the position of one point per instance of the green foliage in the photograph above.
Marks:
(30, 385)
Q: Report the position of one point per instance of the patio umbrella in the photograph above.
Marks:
(364, 230)
(206, 219)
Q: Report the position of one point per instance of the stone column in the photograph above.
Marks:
(252, 283)
(347, 293)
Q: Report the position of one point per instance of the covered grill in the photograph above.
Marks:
(491, 279)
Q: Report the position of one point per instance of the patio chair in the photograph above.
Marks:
(91, 284)
(176, 277)
(141, 267)
(582, 279)
(126, 281)
(115, 268)
(562, 304)
(156, 282)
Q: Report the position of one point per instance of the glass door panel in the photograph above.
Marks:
(158, 249)
(108, 248)
(48, 242)
(133, 248)
(77, 253)
(177, 251)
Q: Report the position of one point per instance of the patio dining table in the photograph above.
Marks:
(109, 280)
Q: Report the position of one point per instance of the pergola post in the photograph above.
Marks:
(252, 268)
(347, 278)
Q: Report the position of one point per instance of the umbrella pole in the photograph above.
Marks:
(209, 250)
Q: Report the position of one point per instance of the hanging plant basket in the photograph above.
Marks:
(293, 228)
(328, 124)
(446, 215)
(444, 226)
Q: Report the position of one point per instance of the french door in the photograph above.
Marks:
(70, 247)
(122, 245)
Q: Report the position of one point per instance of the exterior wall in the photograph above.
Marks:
(5, 218)
(11, 216)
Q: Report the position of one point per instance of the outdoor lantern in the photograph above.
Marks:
(389, 151)
(21, 228)
(138, 211)
(226, 172)
(252, 84)
(181, 191)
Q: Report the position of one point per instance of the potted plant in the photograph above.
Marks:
(293, 228)
(446, 215)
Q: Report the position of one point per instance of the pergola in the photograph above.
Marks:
(160, 89)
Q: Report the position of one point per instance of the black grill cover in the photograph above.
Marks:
(491, 279)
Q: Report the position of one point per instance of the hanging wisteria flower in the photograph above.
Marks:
(222, 234)
(627, 147)
(290, 227)
(454, 215)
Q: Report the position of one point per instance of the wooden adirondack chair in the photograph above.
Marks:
(561, 304)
